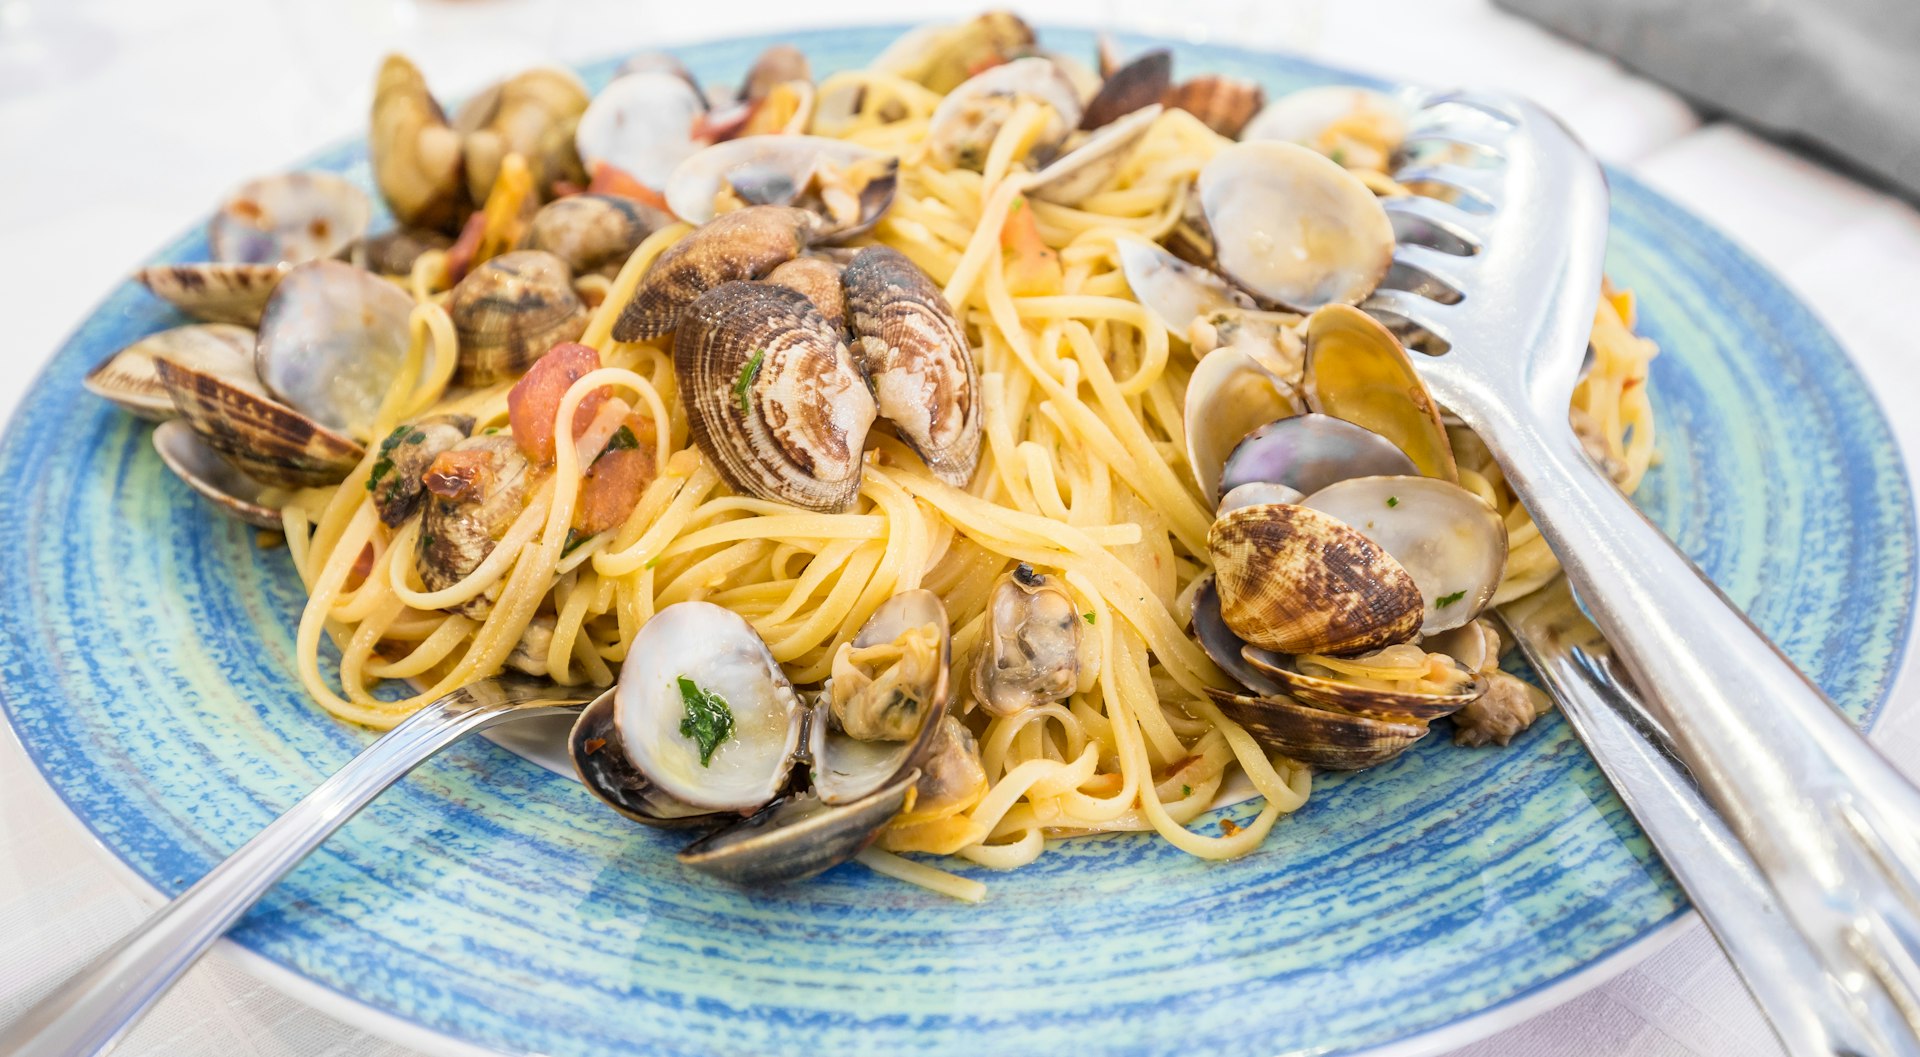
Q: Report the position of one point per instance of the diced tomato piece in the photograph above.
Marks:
(456, 470)
(535, 399)
(614, 483)
(460, 255)
(609, 180)
(1033, 267)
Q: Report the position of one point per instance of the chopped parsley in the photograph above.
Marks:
(1186, 790)
(747, 372)
(384, 465)
(491, 430)
(708, 721)
(426, 539)
(622, 440)
(651, 562)
(574, 540)
(1446, 600)
(1088, 615)
(1339, 156)
(416, 437)
(1393, 500)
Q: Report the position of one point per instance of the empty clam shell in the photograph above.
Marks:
(1176, 292)
(1140, 83)
(1417, 702)
(1223, 104)
(217, 293)
(1356, 370)
(744, 244)
(963, 126)
(266, 440)
(130, 379)
(1293, 228)
(796, 837)
(1449, 540)
(917, 360)
(866, 736)
(192, 460)
(847, 186)
(819, 279)
(1077, 174)
(773, 398)
(1297, 580)
(642, 124)
(1229, 395)
(331, 341)
(416, 155)
(1309, 452)
(591, 232)
(287, 219)
(1221, 645)
(509, 311)
(594, 747)
(1330, 740)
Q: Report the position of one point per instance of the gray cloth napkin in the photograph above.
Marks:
(1841, 75)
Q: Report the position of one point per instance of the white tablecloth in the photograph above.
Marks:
(122, 119)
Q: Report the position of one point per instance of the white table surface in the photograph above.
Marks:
(120, 120)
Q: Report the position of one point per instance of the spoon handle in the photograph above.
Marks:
(1594, 691)
(96, 1007)
(1829, 823)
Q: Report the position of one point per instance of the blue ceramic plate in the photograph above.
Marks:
(146, 662)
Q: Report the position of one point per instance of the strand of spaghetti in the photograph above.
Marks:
(451, 631)
(985, 244)
(486, 574)
(808, 526)
(902, 869)
(653, 539)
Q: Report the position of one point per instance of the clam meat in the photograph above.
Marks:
(1030, 654)
(475, 491)
(965, 123)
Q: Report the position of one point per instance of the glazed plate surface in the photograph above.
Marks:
(146, 663)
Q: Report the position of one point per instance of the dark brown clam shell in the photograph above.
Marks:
(1330, 740)
(1295, 580)
(773, 398)
(918, 360)
(264, 439)
(819, 279)
(1139, 83)
(796, 837)
(1223, 104)
(744, 244)
(509, 311)
(393, 252)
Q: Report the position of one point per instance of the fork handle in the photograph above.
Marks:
(94, 1009)
(1827, 821)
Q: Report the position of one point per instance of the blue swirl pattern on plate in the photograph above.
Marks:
(146, 662)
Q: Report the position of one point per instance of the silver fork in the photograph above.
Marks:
(93, 1009)
(1499, 269)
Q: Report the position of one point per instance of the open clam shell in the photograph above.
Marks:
(641, 123)
(1079, 173)
(1357, 127)
(847, 186)
(917, 359)
(608, 774)
(533, 114)
(1292, 228)
(1230, 395)
(1176, 292)
(332, 339)
(1357, 370)
(1355, 699)
(963, 126)
(194, 461)
(1448, 540)
(744, 244)
(1141, 83)
(265, 439)
(416, 155)
(130, 379)
(1331, 740)
(796, 837)
(509, 311)
(288, 218)
(1221, 645)
(1309, 452)
(1298, 580)
(214, 292)
(819, 279)
(773, 398)
(905, 703)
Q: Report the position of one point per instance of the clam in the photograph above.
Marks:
(217, 293)
(593, 233)
(1223, 104)
(1509, 706)
(416, 156)
(1220, 643)
(1475, 645)
(1291, 227)
(703, 721)
(532, 114)
(476, 488)
(796, 837)
(778, 65)
(1446, 538)
(917, 360)
(1139, 84)
(287, 219)
(509, 311)
(1309, 452)
(1357, 370)
(641, 123)
(1229, 395)
(223, 400)
(819, 279)
(965, 123)
(1402, 683)
(952, 778)
(885, 701)
(1030, 653)
(1331, 740)
(204, 470)
(1176, 292)
(332, 339)
(394, 252)
(398, 478)
(1356, 127)
(773, 398)
(941, 57)
(1072, 177)
(130, 378)
(744, 244)
(847, 186)
(1293, 579)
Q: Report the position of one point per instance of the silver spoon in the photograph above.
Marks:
(95, 1008)
(1827, 823)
